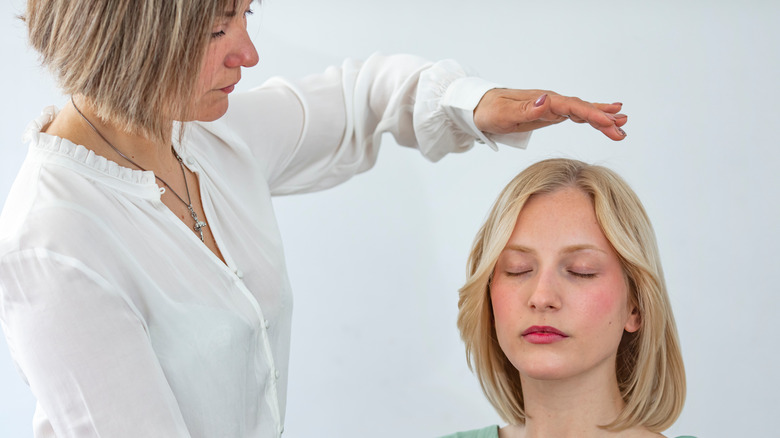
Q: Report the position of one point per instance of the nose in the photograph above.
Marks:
(546, 293)
(244, 53)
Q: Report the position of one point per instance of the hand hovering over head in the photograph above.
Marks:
(503, 111)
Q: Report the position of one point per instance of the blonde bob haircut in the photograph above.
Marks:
(649, 364)
(136, 61)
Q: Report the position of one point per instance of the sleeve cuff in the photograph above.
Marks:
(459, 102)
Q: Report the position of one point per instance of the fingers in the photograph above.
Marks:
(542, 110)
(577, 108)
(611, 108)
(614, 132)
(603, 117)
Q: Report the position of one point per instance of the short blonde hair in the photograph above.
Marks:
(136, 61)
(650, 371)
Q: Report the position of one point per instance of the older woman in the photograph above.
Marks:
(143, 289)
(565, 314)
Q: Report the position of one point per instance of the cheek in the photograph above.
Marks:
(606, 305)
(203, 84)
(506, 303)
(208, 69)
(600, 306)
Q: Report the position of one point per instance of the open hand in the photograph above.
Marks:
(503, 111)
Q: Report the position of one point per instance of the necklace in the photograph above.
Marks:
(198, 227)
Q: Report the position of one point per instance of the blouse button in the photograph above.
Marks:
(190, 161)
(239, 273)
(281, 430)
(276, 374)
(266, 323)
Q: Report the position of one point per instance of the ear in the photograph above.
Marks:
(634, 320)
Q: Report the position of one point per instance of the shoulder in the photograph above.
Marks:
(487, 432)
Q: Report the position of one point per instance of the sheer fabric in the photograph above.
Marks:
(118, 317)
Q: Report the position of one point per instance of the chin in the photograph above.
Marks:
(547, 369)
(213, 115)
(545, 373)
(209, 113)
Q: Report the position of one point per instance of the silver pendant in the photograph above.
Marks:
(198, 224)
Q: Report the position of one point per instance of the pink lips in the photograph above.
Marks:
(543, 335)
(228, 89)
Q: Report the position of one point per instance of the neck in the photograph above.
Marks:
(574, 407)
(148, 154)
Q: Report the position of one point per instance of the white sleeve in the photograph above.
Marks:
(317, 132)
(84, 350)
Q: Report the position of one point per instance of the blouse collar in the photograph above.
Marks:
(52, 145)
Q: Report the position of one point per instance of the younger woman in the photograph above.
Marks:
(565, 314)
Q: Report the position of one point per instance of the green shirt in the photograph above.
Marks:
(488, 432)
(492, 432)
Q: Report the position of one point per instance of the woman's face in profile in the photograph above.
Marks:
(559, 296)
(230, 49)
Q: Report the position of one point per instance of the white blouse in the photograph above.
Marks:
(124, 324)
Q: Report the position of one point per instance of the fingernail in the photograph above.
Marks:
(620, 131)
(620, 116)
(540, 100)
(617, 103)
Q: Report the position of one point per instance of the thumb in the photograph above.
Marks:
(541, 110)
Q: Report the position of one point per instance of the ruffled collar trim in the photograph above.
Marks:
(64, 147)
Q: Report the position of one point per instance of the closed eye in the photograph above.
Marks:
(583, 274)
(222, 32)
(518, 273)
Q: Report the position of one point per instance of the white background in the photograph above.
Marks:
(376, 263)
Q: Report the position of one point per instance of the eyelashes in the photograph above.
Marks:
(516, 274)
(221, 33)
(520, 273)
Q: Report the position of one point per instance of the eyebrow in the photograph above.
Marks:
(232, 13)
(567, 250)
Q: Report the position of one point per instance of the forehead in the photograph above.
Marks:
(232, 7)
(564, 217)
